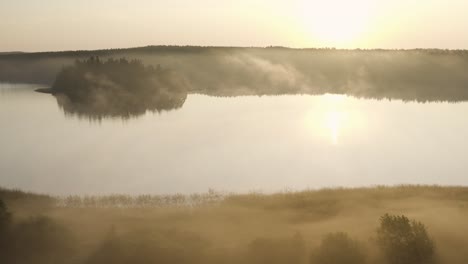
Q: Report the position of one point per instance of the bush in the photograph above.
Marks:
(404, 241)
(338, 248)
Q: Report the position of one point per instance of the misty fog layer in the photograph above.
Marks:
(398, 225)
(235, 144)
(416, 75)
(322, 124)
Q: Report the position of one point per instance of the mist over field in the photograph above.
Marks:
(336, 225)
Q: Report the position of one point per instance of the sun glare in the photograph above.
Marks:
(336, 23)
(334, 121)
(329, 118)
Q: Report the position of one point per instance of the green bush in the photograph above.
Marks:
(404, 241)
(338, 248)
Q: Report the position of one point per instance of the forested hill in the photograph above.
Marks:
(409, 75)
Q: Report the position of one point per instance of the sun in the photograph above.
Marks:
(336, 23)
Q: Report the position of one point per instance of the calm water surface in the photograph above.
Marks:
(237, 144)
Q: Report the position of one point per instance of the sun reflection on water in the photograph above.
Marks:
(329, 118)
(334, 120)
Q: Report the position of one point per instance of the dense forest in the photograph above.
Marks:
(394, 225)
(117, 88)
(419, 75)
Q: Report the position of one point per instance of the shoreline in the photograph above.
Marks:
(44, 90)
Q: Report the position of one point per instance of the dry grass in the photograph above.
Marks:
(225, 227)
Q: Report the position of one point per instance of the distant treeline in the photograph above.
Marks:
(410, 75)
(140, 201)
(323, 198)
(112, 201)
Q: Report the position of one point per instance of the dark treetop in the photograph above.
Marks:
(117, 88)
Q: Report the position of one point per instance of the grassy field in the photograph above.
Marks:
(249, 228)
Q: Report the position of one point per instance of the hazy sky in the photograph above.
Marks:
(39, 25)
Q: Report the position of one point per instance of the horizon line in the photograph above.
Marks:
(16, 52)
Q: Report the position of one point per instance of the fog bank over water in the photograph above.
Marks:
(237, 144)
(411, 75)
(235, 119)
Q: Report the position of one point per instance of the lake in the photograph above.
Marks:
(233, 144)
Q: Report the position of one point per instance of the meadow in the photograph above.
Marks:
(286, 227)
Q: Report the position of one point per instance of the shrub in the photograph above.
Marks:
(404, 241)
(338, 248)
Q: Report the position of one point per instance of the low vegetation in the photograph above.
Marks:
(339, 248)
(393, 225)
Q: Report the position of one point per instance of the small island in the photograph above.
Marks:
(117, 88)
